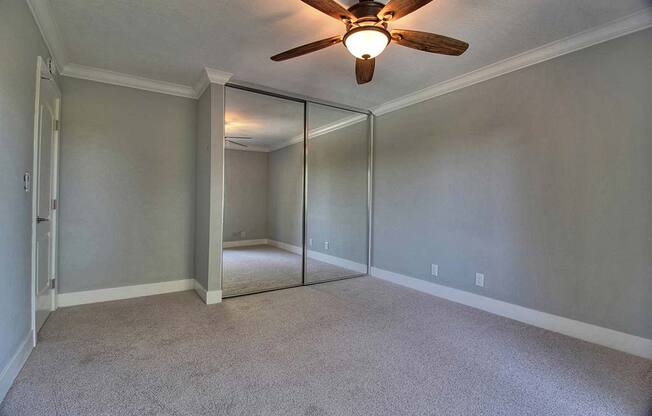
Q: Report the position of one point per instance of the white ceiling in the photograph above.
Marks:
(172, 40)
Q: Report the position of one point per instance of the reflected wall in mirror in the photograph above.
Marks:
(263, 193)
(337, 178)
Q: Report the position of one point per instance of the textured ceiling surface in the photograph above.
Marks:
(172, 40)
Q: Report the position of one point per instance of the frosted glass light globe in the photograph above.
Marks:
(366, 42)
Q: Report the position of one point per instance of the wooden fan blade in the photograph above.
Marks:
(364, 70)
(429, 42)
(396, 9)
(331, 8)
(304, 49)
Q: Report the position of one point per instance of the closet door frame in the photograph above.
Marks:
(305, 101)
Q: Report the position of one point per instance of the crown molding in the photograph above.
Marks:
(327, 128)
(126, 80)
(211, 76)
(289, 142)
(339, 124)
(621, 27)
(42, 13)
(217, 77)
(43, 16)
(249, 148)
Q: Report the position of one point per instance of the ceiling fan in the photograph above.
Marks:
(367, 34)
(232, 140)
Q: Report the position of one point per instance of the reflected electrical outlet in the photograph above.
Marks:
(479, 279)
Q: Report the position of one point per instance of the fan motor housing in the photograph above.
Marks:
(366, 9)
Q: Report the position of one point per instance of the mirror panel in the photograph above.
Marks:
(337, 178)
(263, 193)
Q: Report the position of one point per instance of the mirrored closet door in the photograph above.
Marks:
(263, 193)
(337, 188)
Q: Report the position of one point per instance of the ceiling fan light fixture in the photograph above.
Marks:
(366, 42)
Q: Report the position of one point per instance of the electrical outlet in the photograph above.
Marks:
(434, 269)
(326, 245)
(243, 234)
(479, 279)
(310, 242)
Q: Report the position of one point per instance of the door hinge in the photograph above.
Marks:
(57, 125)
(54, 204)
(52, 283)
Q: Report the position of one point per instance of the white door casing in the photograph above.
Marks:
(45, 173)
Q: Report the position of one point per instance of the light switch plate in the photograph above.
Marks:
(27, 181)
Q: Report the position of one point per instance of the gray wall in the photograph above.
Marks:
(337, 192)
(127, 186)
(245, 195)
(285, 202)
(20, 44)
(541, 179)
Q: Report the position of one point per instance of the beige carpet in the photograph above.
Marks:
(353, 347)
(253, 269)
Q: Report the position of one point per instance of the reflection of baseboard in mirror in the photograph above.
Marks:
(326, 258)
(338, 261)
(258, 265)
(244, 243)
(322, 267)
(285, 246)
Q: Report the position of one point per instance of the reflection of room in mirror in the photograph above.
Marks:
(264, 193)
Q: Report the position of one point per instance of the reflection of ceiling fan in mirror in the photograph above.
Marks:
(367, 34)
(232, 140)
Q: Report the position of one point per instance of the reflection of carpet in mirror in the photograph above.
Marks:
(258, 268)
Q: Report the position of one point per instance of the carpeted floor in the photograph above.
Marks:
(253, 269)
(352, 347)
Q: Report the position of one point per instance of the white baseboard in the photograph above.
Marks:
(244, 243)
(125, 292)
(285, 246)
(621, 341)
(13, 367)
(338, 261)
(210, 297)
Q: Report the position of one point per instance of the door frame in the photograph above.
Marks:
(44, 74)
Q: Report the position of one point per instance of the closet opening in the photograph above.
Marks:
(297, 192)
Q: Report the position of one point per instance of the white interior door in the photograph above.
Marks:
(45, 186)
